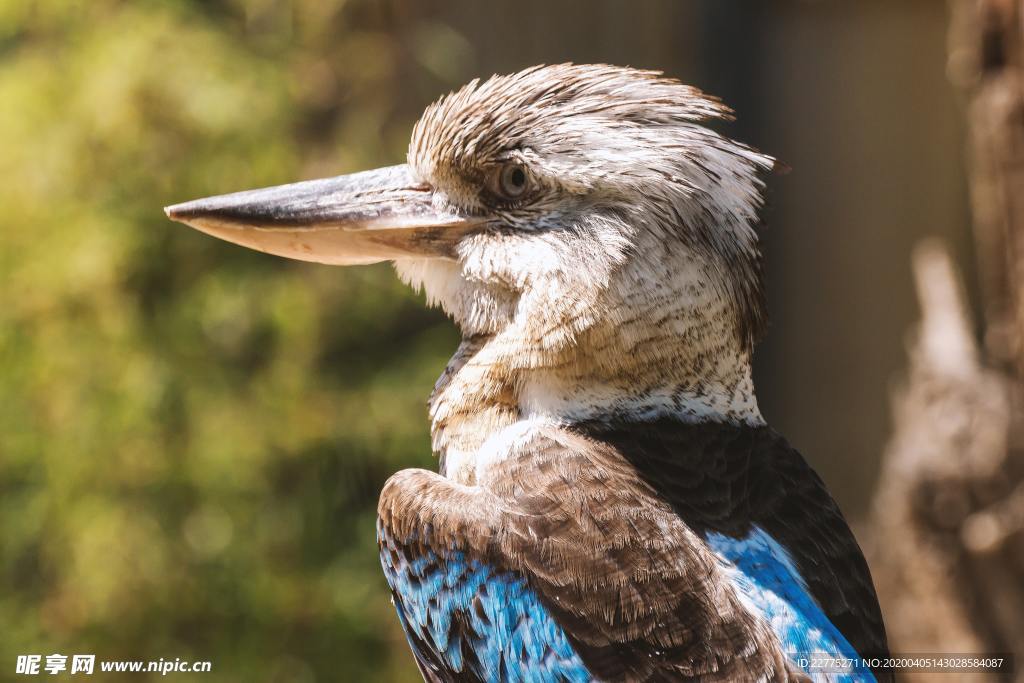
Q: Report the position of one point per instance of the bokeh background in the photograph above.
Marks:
(193, 436)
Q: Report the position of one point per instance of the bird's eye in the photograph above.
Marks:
(511, 181)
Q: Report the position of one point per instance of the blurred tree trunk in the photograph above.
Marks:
(947, 541)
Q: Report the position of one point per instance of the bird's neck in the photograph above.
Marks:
(653, 359)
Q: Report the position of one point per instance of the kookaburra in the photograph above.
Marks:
(609, 503)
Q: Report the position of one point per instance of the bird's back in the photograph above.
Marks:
(629, 551)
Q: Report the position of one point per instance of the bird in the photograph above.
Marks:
(609, 502)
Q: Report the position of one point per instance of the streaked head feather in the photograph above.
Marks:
(605, 141)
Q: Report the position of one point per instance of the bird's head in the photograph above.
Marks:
(558, 202)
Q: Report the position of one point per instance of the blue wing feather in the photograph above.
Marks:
(769, 584)
(464, 618)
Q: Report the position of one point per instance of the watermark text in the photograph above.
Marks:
(57, 663)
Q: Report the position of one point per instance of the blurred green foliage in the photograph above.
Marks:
(193, 436)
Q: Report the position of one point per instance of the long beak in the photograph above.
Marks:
(353, 219)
